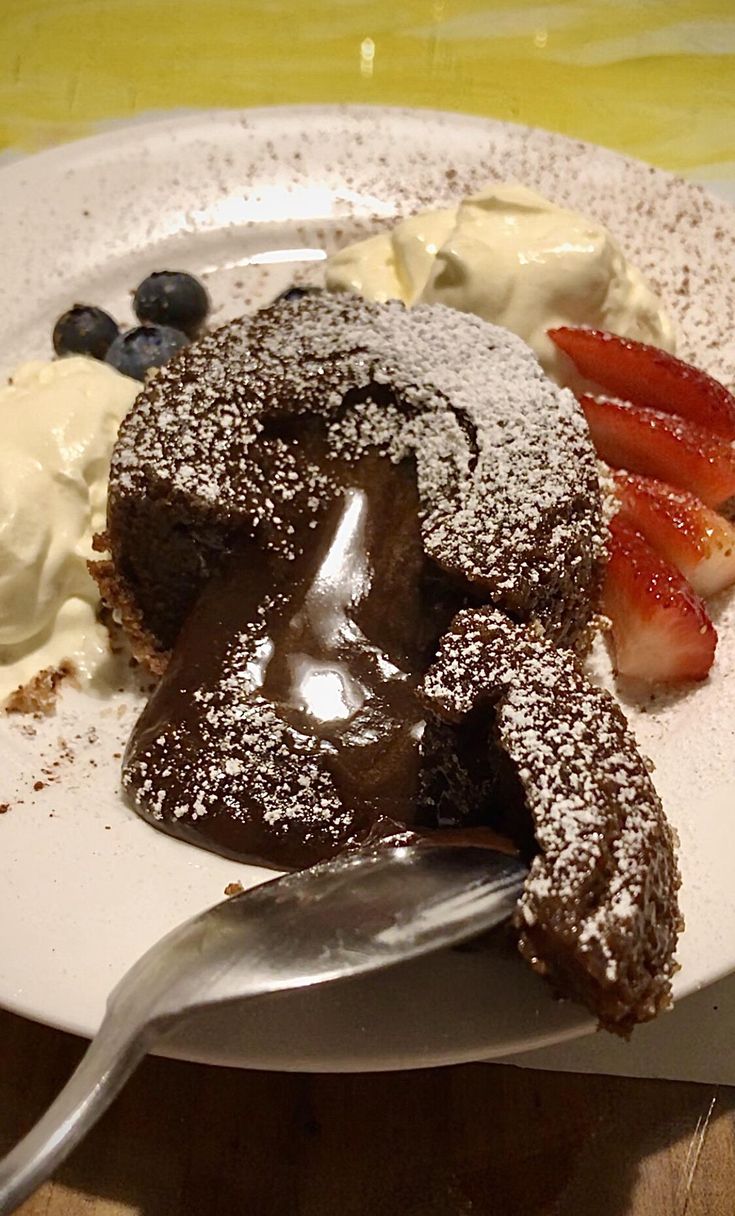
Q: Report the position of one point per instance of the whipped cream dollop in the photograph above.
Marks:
(58, 422)
(514, 258)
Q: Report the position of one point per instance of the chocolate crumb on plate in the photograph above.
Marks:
(39, 696)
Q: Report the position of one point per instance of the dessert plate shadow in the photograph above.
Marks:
(251, 201)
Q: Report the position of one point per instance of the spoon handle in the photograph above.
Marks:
(111, 1057)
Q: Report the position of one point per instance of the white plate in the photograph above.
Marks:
(250, 199)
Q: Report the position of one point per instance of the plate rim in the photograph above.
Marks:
(112, 131)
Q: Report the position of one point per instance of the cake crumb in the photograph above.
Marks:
(234, 888)
(39, 696)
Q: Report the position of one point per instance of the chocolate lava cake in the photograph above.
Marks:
(300, 505)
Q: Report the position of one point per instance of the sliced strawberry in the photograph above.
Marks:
(672, 449)
(688, 535)
(660, 629)
(649, 377)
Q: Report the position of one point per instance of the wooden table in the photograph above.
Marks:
(481, 1140)
(653, 80)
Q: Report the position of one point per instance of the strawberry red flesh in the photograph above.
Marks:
(661, 632)
(647, 376)
(682, 530)
(670, 449)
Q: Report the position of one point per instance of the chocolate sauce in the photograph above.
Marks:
(334, 645)
(288, 724)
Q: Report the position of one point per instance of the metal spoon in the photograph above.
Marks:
(363, 912)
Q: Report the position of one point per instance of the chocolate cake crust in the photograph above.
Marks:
(599, 915)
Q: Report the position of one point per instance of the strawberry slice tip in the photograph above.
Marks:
(647, 376)
(670, 449)
(661, 632)
(682, 530)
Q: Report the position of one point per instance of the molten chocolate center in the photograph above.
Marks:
(293, 677)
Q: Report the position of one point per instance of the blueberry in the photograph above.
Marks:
(138, 350)
(84, 330)
(296, 293)
(172, 297)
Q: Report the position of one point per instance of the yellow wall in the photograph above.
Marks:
(655, 78)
